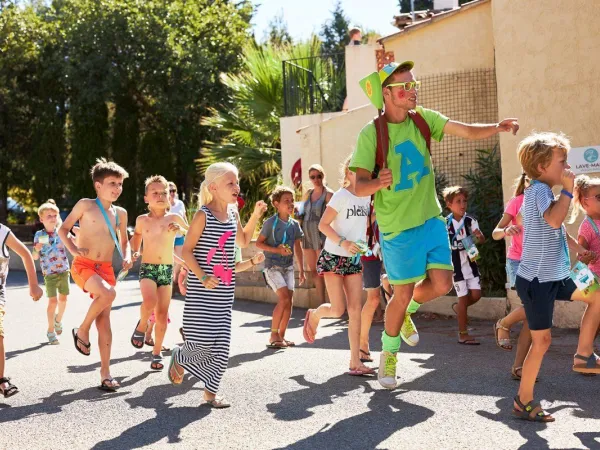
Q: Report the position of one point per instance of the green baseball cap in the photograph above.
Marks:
(387, 70)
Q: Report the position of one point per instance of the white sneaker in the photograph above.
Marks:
(387, 370)
(408, 332)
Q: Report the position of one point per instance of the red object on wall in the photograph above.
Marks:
(296, 173)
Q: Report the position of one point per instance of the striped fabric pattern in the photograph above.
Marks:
(545, 253)
(207, 312)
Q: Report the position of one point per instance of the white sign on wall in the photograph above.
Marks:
(584, 159)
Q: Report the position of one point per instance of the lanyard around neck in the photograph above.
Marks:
(284, 239)
(460, 227)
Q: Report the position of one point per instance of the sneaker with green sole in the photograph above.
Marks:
(387, 370)
(408, 332)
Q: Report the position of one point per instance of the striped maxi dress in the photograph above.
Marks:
(207, 312)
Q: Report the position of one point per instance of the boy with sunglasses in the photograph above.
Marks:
(414, 241)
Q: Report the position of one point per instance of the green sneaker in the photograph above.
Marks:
(387, 370)
(408, 332)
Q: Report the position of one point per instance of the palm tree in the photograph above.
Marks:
(247, 122)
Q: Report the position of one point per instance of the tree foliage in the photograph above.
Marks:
(334, 32)
(127, 79)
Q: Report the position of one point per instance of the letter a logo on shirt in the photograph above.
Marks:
(412, 166)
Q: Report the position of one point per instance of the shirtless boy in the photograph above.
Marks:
(157, 230)
(92, 268)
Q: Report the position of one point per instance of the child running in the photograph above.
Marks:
(543, 275)
(9, 241)
(100, 226)
(157, 231)
(344, 223)
(462, 228)
(49, 249)
(280, 238)
(511, 225)
(372, 267)
(209, 253)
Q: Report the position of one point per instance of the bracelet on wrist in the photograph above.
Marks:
(341, 240)
(567, 193)
(203, 279)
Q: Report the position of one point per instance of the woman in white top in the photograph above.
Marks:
(344, 223)
(177, 207)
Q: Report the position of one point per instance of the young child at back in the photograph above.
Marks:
(92, 268)
(52, 253)
(544, 272)
(586, 196)
(9, 241)
(462, 227)
(209, 253)
(157, 231)
(280, 238)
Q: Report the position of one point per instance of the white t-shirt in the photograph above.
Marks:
(351, 221)
(179, 209)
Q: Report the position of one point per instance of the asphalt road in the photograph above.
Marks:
(450, 396)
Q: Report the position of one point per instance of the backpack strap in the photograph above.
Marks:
(423, 127)
(383, 143)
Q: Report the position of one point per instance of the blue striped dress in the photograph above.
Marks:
(207, 312)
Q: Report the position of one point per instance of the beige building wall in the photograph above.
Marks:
(459, 40)
(360, 62)
(329, 142)
(290, 140)
(547, 73)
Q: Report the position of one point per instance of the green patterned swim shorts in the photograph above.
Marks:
(161, 274)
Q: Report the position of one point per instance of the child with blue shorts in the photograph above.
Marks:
(544, 272)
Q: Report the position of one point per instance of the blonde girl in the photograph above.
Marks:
(209, 253)
(344, 223)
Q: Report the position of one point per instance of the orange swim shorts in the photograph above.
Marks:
(83, 269)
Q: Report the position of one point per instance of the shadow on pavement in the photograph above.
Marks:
(386, 414)
(16, 353)
(168, 423)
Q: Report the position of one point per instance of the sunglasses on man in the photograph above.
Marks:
(407, 86)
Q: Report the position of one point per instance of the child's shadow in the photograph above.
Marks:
(386, 416)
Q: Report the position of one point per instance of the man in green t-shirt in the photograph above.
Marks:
(414, 239)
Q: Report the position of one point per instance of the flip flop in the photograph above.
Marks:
(105, 386)
(277, 345)
(361, 372)
(149, 342)
(289, 343)
(138, 336)
(306, 329)
(76, 340)
(367, 359)
(471, 341)
(172, 366)
(218, 403)
(156, 363)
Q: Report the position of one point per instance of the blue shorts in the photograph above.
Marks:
(179, 241)
(409, 255)
(538, 299)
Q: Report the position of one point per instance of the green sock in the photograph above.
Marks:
(390, 343)
(413, 306)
